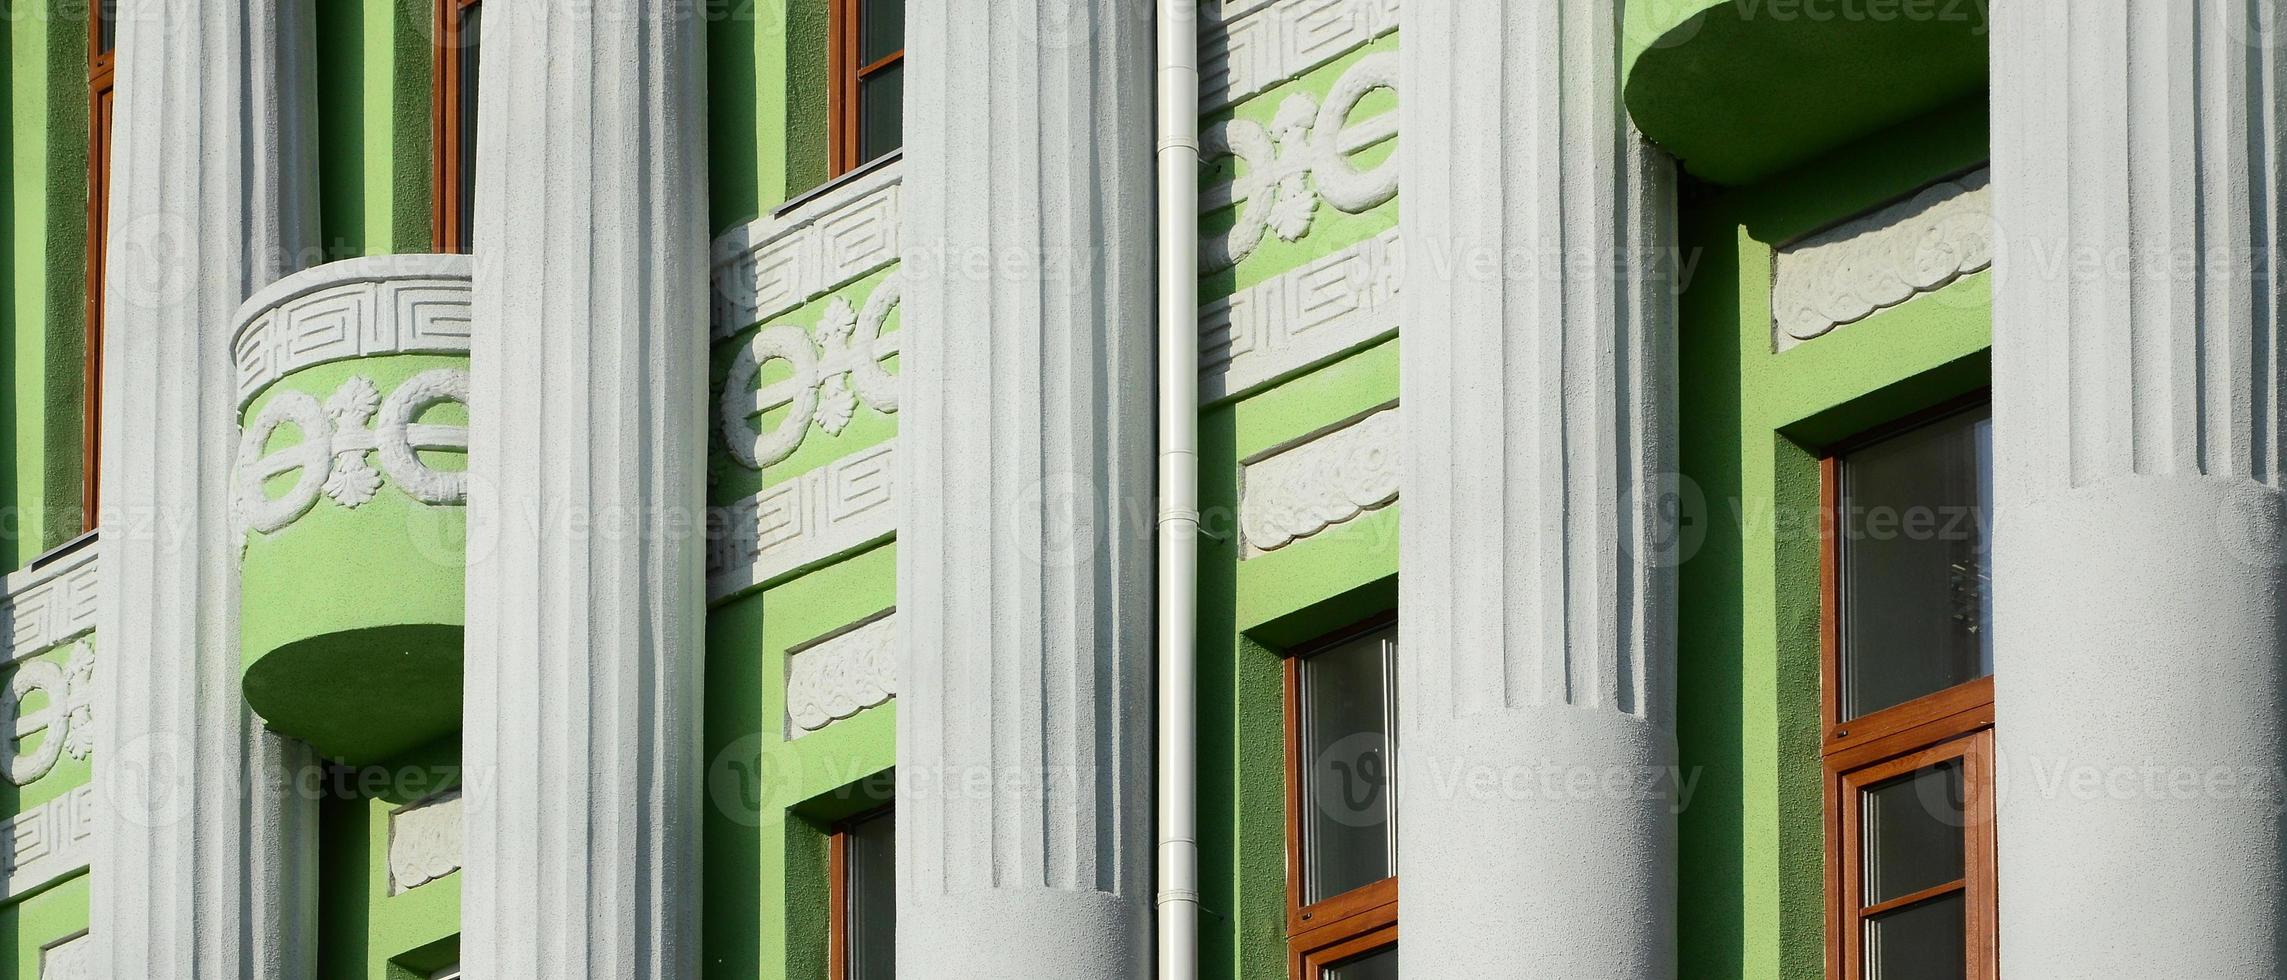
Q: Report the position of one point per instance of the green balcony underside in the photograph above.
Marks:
(1739, 90)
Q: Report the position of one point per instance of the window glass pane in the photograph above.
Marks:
(881, 112)
(1346, 778)
(872, 891)
(1913, 832)
(1916, 596)
(472, 34)
(1381, 964)
(881, 30)
(107, 27)
(1919, 942)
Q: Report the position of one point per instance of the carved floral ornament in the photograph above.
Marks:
(835, 367)
(1302, 157)
(330, 458)
(64, 723)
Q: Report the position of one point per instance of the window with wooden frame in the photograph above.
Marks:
(453, 118)
(1907, 700)
(102, 48)
(866, 97)
(861, 930)
(1342, 813)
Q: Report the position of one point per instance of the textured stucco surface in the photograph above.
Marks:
(1025, 475)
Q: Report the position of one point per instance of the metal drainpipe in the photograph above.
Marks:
(1178, 152)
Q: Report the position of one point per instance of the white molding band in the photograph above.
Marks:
(1331, 478)
(48, 842)
(1538, 383)
(53, 604)
(778, 262)
(1307, 316)
(1247, 47)
(838, 508)
(424, 841)
(2141, 175)
(72, 959)
(836, 677)
(586, 633)
(206, 863)
(1881, 259)
(362, 307)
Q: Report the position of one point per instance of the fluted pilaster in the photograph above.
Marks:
(587, 464)
(2138, 180)
(1025, 477)
(1536, 606)
(206, 859)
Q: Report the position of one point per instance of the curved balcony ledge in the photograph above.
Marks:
(348, 491)
(1740, 90)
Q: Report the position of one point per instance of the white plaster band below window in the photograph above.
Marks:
(841, 675)
(71, 959)
(834, 509)
(1881, 259)
(1314, 313)
(1326, 480)
(363, 307)
(779, 262)
(48, 842)
(1250, 46)
(50, 605)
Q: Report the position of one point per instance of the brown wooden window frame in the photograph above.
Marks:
(838, 842)
(448, 115)
(1857, 753)
(1363, 920)
(847, 78)
(100, 72)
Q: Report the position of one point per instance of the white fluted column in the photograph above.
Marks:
(586, 622)
(206, 857)
(1536, 604)
(1026, 480)
(2138, 179)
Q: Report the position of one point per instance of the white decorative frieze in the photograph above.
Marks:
(841, 675)
(779, 262)
(364, 307)
(330, 458)
(825, 512)
(1330, 478)
(63, 721)
(1248, 46)
(833, 368)
(49, 605)
(1881, 259)
(72, 959)
(1300, 159)
(424, 842)
(48, 842)
(1313, 313)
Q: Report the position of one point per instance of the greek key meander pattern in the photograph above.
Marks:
(45, 608)
(424, 842)
(779, 262)
(353, 309)
(838, 507)
(48, 841)
(1303, 157)
(1249, 46)
(840, 676)
(1326, 480)
(1881, 259)
(1311, 314)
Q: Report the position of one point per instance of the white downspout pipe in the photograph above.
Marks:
(1178, 150)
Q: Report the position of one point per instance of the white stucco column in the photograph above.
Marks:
(586, 624)
(1536, 611)
(2138, 179)
(205, 861)
(1025, 477)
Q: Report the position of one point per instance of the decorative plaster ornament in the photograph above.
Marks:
(835, 367)
(65, 722)
(331, 456)
(1303, 156)
(841, 676)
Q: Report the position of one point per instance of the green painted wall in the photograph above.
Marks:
(374, 75)
(43, 293)
(366, 933)
(1752, 838)
(57, 910)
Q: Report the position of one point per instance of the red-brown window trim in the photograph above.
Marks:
(1880, 745)
(838, 892)
(447, 116)
(100, 70)
(842, 87)
(1353, 923)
